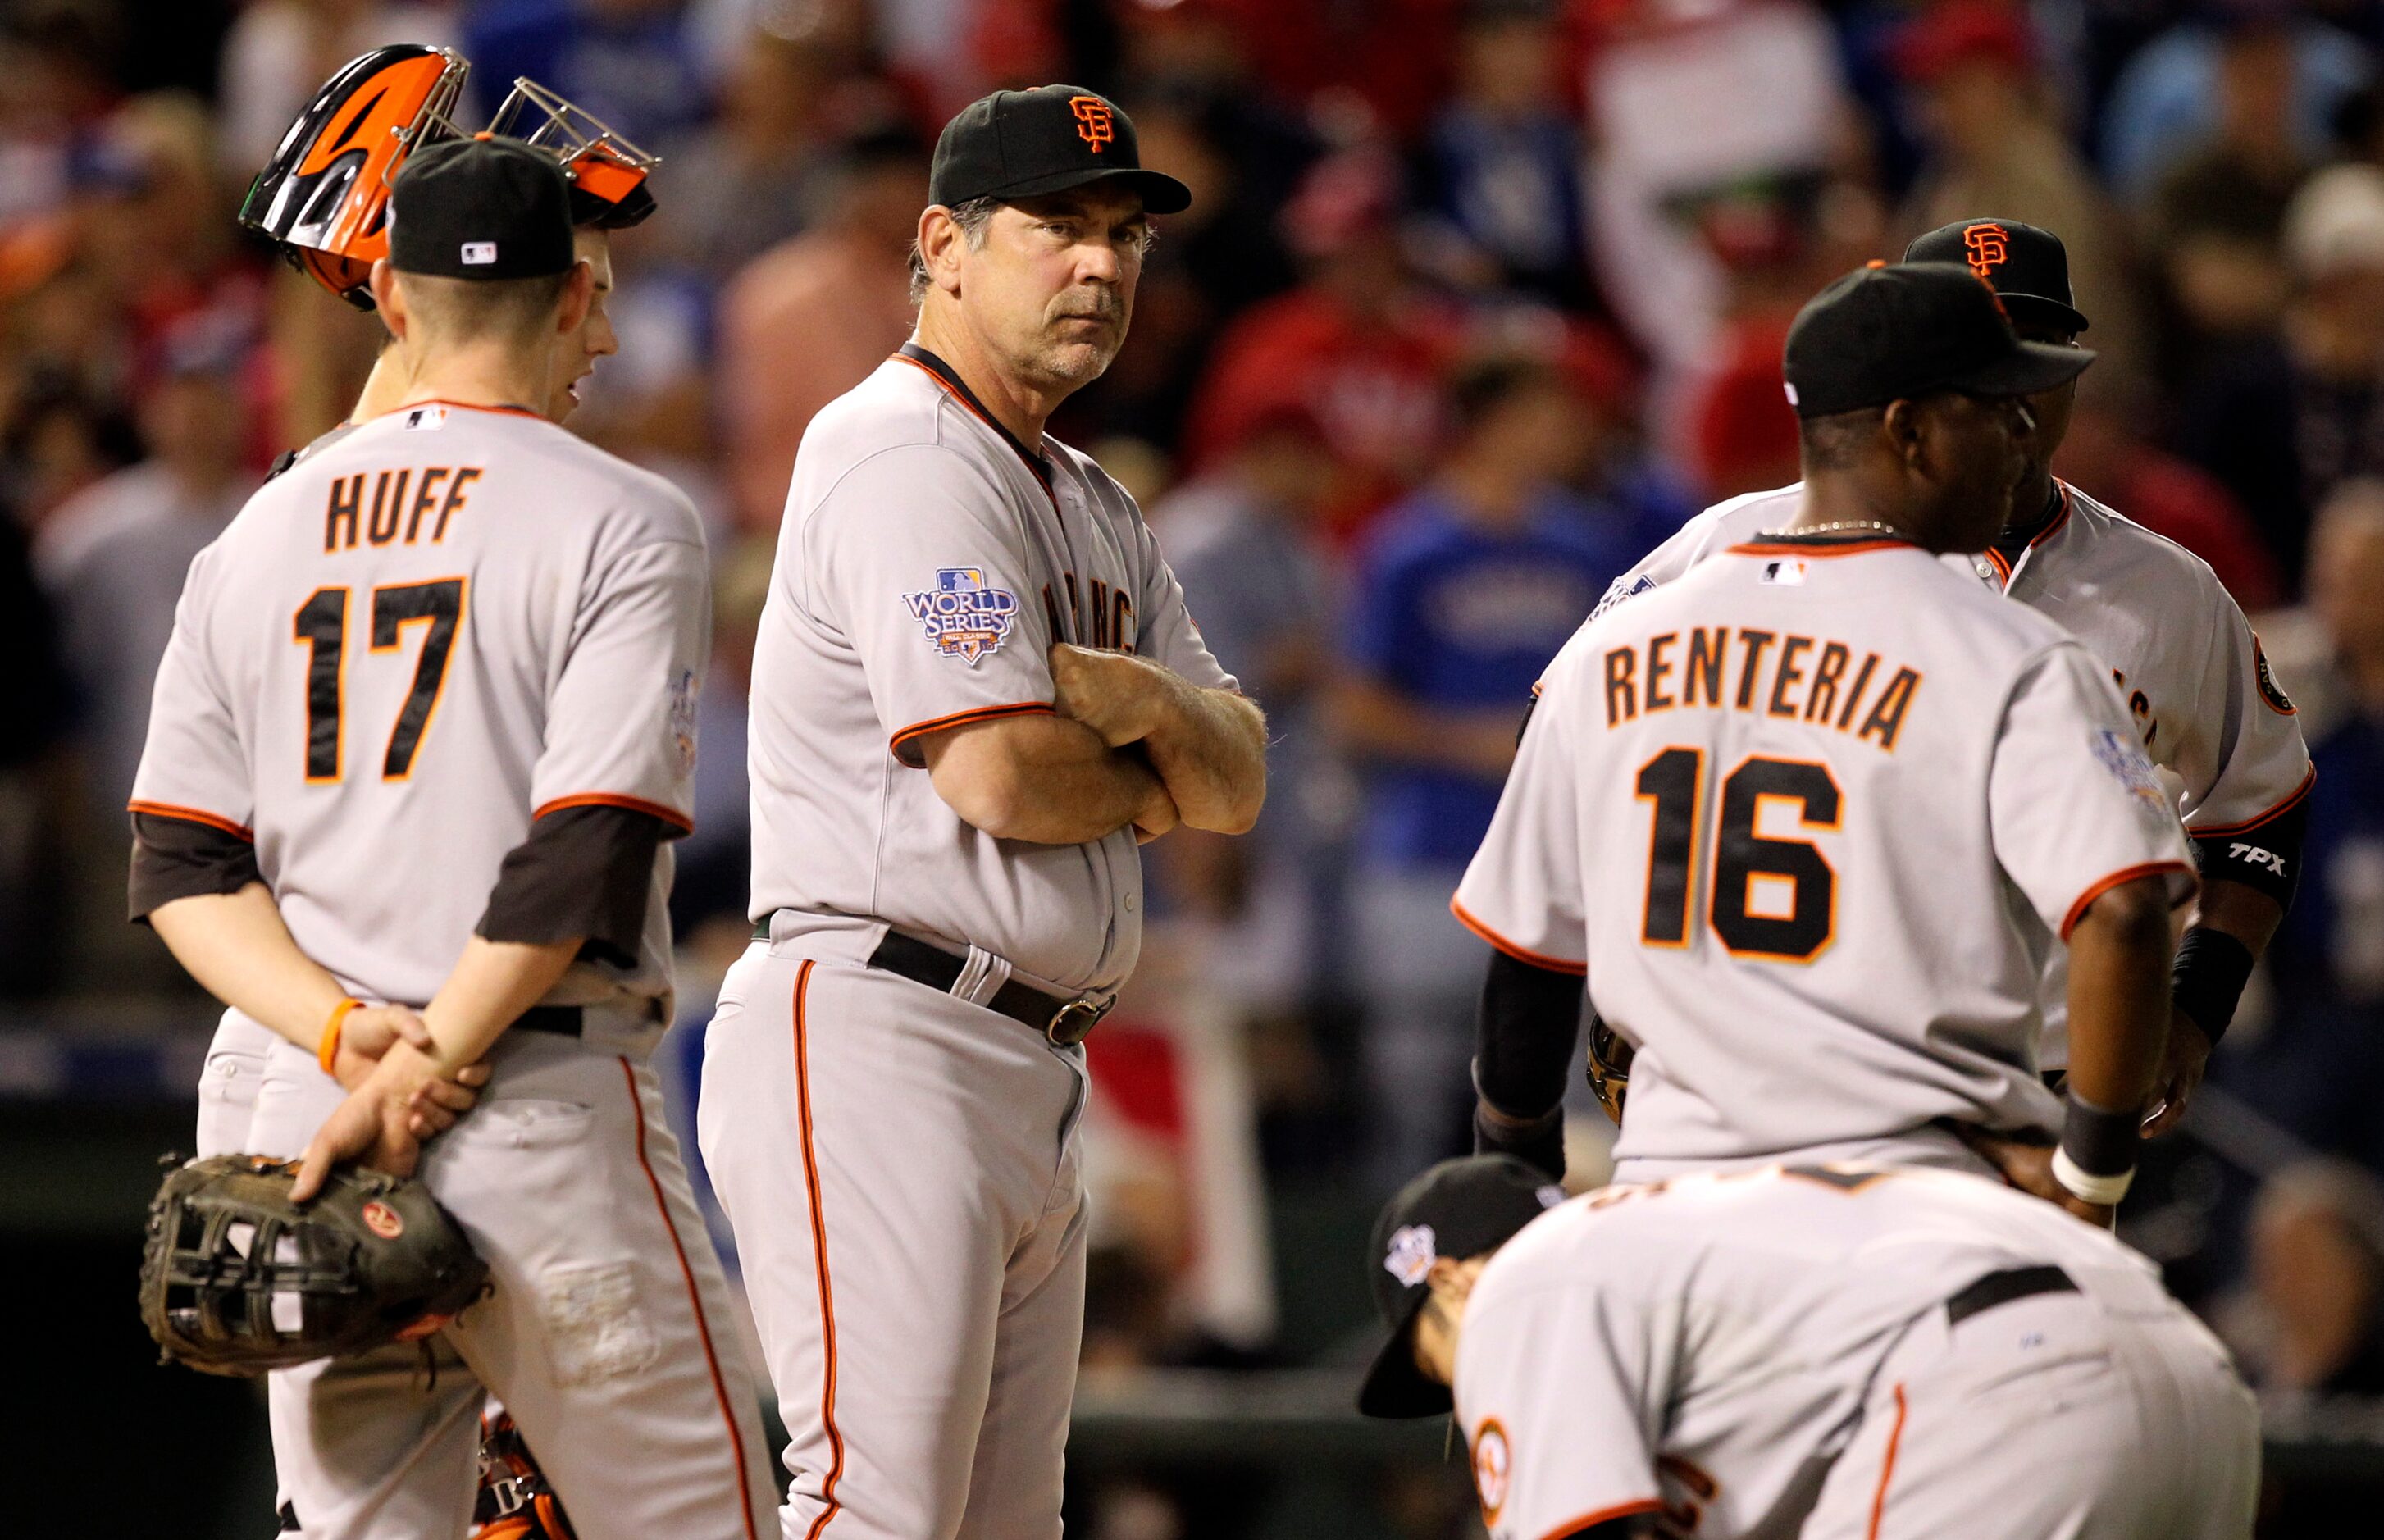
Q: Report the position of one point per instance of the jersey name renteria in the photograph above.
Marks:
(1746, 669)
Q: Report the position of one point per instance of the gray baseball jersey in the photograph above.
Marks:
(1812, 818)
(1705, 1348)
(927, 562)
(2184, 659)
(489, 619)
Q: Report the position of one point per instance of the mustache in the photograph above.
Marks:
(1109, 308)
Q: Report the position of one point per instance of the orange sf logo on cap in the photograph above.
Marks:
(1989, 245)
(1094, 124)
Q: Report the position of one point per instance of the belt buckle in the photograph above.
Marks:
(1074, 1022)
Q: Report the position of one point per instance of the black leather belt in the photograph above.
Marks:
(2002, 1288)
(1065, 1019)
(563, 1019)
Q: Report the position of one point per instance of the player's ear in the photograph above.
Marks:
(578, 294)
(1906, 426)
(941, 240)
(387, 299)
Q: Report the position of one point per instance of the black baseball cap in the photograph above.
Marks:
(1884, 333)
(1458, 1208)
(2025, 263)
(482, 208)
(1022, 143)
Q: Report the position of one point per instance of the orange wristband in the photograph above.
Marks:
(327, 1051)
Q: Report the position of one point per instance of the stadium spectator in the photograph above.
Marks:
(1502, 163)
(808, 321)
(1360, 342)
(757, 174)
(1996, 148)
(113, 557)
(1462, 594)
(2281, 420)
(2167, 97)
(1243, 540)
(2316, 1326)
(2318, 1068)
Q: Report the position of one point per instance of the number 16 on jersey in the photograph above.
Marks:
(1770, 895)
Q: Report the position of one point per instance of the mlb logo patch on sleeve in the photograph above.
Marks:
(964, 618)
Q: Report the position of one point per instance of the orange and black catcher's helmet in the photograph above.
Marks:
(324, 196)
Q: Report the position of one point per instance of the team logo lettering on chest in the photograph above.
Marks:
(1103, 615)
(964, 616)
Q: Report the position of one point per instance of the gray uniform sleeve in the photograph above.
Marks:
(620, 718)
(192, 765)
(2076, 809)
(1167, 635)
(916, 559)
(1561, 1386)
(2246, 822)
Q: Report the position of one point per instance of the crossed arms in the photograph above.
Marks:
(1129, 743)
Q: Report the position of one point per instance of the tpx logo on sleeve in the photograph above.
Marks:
(963, 617)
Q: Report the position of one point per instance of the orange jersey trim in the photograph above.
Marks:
(1520, 954)
(672, 816)
(819, 1252)
(1887, 1466)
(695, 1298)
(2150, 868)
(2309, 778)
(1588, 1522)
(963, 718)
(465, 406)
(194, 816)
(1795, 548)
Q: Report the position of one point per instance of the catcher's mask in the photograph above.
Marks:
(324, 196)
(238, 1279)
(1610, 1066)
(607, 173)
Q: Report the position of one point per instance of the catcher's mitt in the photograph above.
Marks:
(237, 1279)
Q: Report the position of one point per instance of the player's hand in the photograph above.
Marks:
(1156, 817)
(1116, 694)
(369, 1032)
(2029, 1167)
(2182, 1063)
(373, 1125)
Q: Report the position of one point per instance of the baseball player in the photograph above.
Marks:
(447, 776)
(1804, 774)
(2204, 702)
(394, 99)
(1839, 1352)
(975, 689)
(324, 201)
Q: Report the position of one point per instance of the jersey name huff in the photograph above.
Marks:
(1794, 676)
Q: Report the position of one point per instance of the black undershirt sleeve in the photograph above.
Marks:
(583, 871)
(1525, 1034)
(2267, 858)
(175, 858)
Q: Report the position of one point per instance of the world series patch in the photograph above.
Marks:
(2119, 756)
(964, 618)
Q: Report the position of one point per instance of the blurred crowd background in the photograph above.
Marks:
(1476, 302)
